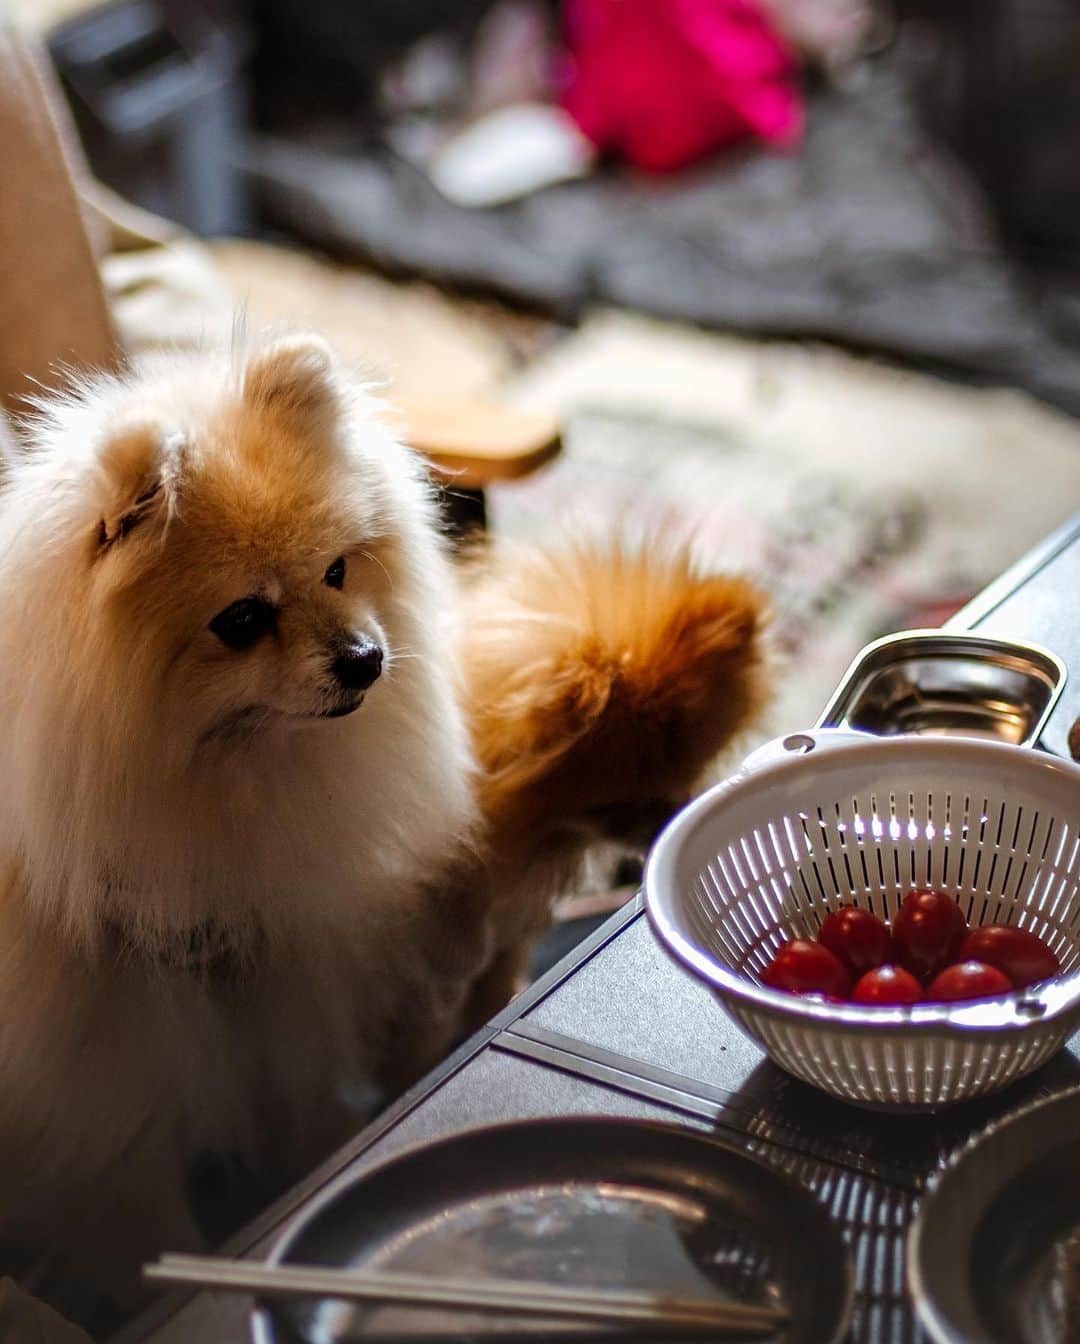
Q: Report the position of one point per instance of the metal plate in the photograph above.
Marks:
(952, 683)
(994, 1252)
(602, 1202)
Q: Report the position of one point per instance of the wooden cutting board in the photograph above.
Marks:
(474, 443)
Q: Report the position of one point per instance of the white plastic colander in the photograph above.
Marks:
(826, 818)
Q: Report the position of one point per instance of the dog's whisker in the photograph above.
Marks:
(376, 561)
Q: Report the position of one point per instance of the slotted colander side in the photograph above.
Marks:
(881, 1067)
(766, 856)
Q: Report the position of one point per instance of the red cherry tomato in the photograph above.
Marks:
(803, 967)
(927, 932)
(1015, 952)
(887, 984)
(968, 980)
(857, 937)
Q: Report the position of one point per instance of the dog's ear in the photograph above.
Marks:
(294, 377)
(139, 464)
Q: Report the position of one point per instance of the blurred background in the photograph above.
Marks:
(896, 174)
(798, 280)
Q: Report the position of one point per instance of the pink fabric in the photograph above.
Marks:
(664, 82)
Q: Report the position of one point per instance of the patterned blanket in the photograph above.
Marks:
(865, 499)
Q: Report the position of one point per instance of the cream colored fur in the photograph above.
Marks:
(215, 907)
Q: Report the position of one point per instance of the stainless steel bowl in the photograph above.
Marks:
(993, 1251)
(948, 683)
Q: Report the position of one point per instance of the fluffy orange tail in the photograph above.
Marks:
(600, 683)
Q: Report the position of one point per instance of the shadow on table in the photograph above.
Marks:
(869, 1167)
(902, 1148)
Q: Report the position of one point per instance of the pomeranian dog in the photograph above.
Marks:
(236, 769)
(248, 854)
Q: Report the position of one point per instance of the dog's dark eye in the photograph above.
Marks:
(335, 575)
(242, 623)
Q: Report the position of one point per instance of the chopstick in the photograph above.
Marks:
(487, 1295)
(567, 1334)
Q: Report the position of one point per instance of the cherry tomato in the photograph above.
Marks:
(968, 980)
(887, 984)
(927, 932)
(803, 967)
(1018, 954)
(857, 937)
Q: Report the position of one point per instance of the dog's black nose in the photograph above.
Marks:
(359, 666)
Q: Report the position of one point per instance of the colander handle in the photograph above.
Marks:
(801, 744)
